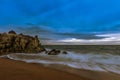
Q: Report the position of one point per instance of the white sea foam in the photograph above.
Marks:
(3, 56)
(97, 62)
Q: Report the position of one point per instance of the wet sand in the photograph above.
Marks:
(18, 70)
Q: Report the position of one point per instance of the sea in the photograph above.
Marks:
(105, 58)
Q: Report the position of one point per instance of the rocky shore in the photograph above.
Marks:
(12, 42)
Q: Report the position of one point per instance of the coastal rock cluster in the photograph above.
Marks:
(18, 43)
(55, 52)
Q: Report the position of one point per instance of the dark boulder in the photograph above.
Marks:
(53, 52)
(65, 52)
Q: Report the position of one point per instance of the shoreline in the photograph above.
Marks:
(18, 70)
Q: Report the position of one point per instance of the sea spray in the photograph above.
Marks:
(96, 62)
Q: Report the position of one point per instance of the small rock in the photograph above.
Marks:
(21, 34)
(54, 52)
(46, 52)
(12, 32)
(36, 36)
(65, 52)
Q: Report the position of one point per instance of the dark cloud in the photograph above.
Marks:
(80, 36)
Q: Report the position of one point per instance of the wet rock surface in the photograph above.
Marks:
(55, 52)
(18, 43)
(64, 52)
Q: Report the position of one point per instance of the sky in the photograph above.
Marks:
(61, 16)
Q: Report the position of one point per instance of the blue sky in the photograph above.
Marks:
(63, 15)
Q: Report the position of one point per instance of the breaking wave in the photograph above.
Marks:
(96, 62)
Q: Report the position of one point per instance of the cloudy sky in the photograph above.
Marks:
(63, 16)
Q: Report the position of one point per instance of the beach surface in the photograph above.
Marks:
(18, 70)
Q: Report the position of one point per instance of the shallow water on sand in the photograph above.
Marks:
(107, 62)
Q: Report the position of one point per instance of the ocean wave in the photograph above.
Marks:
(97, 62)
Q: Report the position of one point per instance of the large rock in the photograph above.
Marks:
(18, 43)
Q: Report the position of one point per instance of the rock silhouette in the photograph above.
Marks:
(65, 52)
(18, 43)
(53, 52)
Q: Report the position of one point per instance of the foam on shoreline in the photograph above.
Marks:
(94, 62)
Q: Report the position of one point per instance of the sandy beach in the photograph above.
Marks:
(17, 70)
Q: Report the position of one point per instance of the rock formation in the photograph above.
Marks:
(53, 52)
(65, 52)
(18, 43)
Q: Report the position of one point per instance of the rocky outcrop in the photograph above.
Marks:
(18, 43)
(55, 52)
